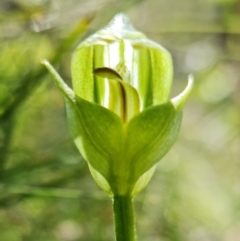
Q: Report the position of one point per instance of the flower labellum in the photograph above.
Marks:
(119, 110)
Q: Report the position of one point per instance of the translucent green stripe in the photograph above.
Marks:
(82, 75)
(144, 77)
(161, 76)
(99, 51)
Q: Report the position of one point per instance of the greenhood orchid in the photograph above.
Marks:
(119, 110)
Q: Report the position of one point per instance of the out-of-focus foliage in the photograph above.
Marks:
(46, 192)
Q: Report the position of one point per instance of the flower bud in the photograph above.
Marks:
(126, 71)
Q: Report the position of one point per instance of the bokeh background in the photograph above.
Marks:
(46, 191)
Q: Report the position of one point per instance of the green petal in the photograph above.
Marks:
(116, 95)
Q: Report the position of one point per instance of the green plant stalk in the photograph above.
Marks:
(124, 218)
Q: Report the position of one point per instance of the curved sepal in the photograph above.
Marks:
(181, 99)
(66, 91)
(150, 135)
(97, 132)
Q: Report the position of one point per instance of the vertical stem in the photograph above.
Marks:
(124, 218)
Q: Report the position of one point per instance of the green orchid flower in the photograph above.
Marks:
(120, 113)
(119, 110)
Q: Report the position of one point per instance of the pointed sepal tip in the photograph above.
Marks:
(181, 99)
(66, 91)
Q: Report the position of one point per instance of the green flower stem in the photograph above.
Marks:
(124, 218)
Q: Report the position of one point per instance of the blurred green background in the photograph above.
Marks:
(46, 191)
